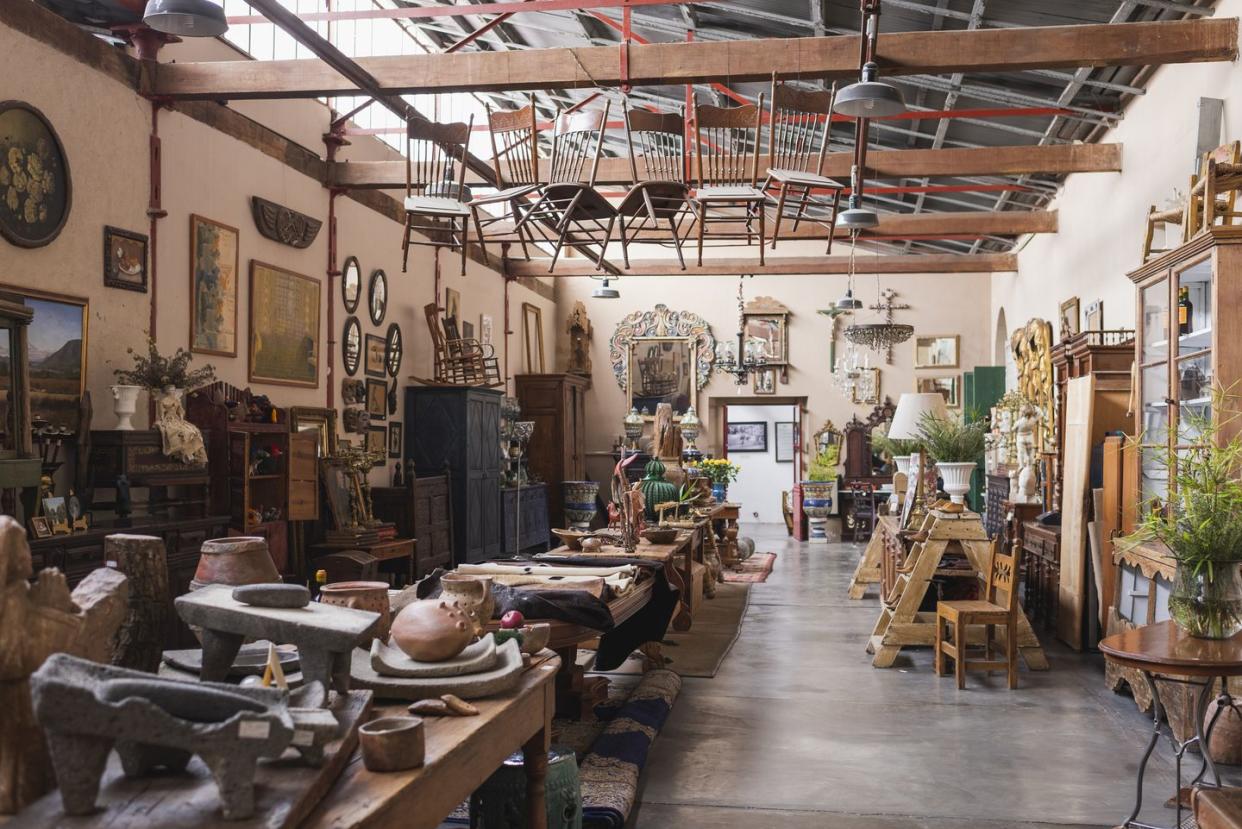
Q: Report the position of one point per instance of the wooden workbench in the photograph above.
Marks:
(870, 569)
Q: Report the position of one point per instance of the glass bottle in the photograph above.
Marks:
(1185, 311)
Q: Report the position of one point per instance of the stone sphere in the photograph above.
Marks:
(432, 630)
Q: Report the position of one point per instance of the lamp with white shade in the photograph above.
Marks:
(907, 420)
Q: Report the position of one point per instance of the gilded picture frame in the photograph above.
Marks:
(662, 370)
(284, 327)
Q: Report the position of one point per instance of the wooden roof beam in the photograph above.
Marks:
(787, 266)
(900, 53)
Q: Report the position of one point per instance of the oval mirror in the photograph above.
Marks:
(392, 350)
(351, 284)
(351, 346)
(378, 296)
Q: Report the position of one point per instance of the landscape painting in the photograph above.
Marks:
(213, 287)
(57, 345)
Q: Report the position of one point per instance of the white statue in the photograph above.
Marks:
(182, 439)
(1024, 489)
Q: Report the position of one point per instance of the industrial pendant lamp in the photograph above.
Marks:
(606, 291)
(870, 98)
(849, 302)
(186, 18)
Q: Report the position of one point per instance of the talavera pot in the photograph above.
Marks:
(240, 560)
(579, 499)
(361, 595)
(473, 594)
(432, 630)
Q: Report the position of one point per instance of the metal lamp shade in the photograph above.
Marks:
(849, 302)
(869, 98)
(186, 18)
(908, 417)
(857, 218)
(606, 291)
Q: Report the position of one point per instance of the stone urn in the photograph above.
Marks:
(124, 405)
(956, 477)
(473, 594)
(817, 504)
(579, 500)
(361, 595)
(432, 630)
(234, 561)
(655, 489)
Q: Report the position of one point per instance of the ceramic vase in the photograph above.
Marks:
(234, 561)
(720, 491)
(124, 404)
(361, 595)
(956, 477)
(473, 594)
(432, 630)
(817, 503)
(655, 489)
(579, 500)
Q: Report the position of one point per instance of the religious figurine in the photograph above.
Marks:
(1023, 487)
(578, 326)
(182, 439)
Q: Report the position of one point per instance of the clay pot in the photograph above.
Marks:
(535, 637)
(432, 630)
(392, 743)
(474, 594)
(234, 561)
(361, 595)
(661, 535)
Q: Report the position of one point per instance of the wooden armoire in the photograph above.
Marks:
(556, 403)
(456, 432)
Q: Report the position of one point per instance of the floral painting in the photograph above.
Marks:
(34, 177)
(213, 287)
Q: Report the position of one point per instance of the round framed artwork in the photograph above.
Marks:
(351, 346)
(35, 190)
(351, 284)
(392, 350)
(378, 295)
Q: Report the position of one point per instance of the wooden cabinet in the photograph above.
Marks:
(422, 512)
(525, 519)
(556, 403)
(1041, 559)
(174, 489)
(457, 431)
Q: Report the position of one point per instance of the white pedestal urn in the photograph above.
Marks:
(124, 405)
(816, 505)
(956, 477)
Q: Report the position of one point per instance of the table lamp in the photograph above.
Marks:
(907, 418)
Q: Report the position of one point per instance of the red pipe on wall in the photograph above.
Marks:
(155, 209)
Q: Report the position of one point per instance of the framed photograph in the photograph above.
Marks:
(374, 364)
(1094, 319)
(377, 440)
(213, 287)
(40, 527)
(532, 339)
(785, 444)
(394, 440)
(747, 437)
(936, 351)
(662, 370)
(35, 180)
(1069, 318)
(284, 327)
(378, 296)
(57, 514)
(485, 329)
(319, 420)
(866, 389)
(57, 346)
(764, 381)
(125, 259)
(452, 305)
(946, 385)
(377, 399)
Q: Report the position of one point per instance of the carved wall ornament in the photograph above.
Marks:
(1032, 356)
(281, 224)
(662, 322)
(578, 327)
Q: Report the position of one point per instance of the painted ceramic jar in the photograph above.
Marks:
(473, 594)
(579, 500)
(361, 595)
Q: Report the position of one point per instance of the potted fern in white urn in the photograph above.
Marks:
(956, 446)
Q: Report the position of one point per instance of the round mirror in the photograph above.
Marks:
(379, 296)
(351, 346)
(351, 284)
(392, 350)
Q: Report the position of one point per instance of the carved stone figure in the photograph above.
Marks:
(578, 326)
(182, 439)
(668, 439)
(1026, 490)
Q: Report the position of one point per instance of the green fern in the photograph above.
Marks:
(951, 439)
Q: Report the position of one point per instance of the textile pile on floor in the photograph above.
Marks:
(754, 570)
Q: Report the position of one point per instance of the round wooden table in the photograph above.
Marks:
(1167, 650)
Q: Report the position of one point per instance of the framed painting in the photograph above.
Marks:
(377, 399)
(452, 304)
(662, 370)
(785, 444)
(946, 385)
(373, 366)
(284, 327)
(57, 347)
(394, 440)
(764, 381)
(322, 421)
(377, 440)
(125, 259)
(213, 287)
(485, 329)
(41, 528)
(1070, 323)
(747, 436)
(937, 351)
(35, 188)
(767, 323)
(467, 330)
(532, 339)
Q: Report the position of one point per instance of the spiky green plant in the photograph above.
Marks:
(894, 447)
(824, 467)
(952, 440)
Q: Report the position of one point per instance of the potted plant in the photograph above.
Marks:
(899, 450)
(160, 375)
(1201, 525)
(819, 490)
(955, 446)
(721, 473)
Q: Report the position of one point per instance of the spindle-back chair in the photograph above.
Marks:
(726, 164)
(798, 135)
(661, 196)
(515, 160)
(437, 204)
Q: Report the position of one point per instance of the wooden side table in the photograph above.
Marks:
(725, 517)
(1164, 649)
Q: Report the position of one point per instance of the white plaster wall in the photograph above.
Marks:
(760, 483)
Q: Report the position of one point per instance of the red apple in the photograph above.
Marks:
(512, 620)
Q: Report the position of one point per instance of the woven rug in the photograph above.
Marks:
(754, 570)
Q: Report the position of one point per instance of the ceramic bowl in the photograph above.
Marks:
(392, 743)
(571, 538)
(661, 535)
(535, 637)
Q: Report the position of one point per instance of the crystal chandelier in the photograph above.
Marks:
(747, 355)
(881, 336)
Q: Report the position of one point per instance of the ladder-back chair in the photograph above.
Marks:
(660, 198)
(798, 136)
(998, 608)
(437, 205)
(457, 361)
(726, 166)
(569, 207)
(515, 160)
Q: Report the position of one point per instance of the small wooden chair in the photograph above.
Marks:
(661, 198)
(515, 159)
(1214, 195)
(999, 607)
(726, 164)
(437, 204)
(798, 136)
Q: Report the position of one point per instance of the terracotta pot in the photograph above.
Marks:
(474, 594)
(392, 743)
(240, 560)
(432, 630)
(361, 595)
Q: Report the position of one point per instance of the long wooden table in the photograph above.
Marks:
(462, 752)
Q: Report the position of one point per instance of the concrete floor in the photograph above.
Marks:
(797, 730)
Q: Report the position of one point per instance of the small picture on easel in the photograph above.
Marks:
(56, 515)
(40, 527)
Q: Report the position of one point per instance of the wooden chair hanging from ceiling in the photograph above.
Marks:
(1220, 172)
(515, 159)
(458, 361)
(997, 608)
(798, 136)
(437, 205)
(570, 210)
(726, 165)
(660, 199)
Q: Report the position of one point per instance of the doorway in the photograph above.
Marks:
(763, 439)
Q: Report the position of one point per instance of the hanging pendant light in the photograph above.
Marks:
(186, 18)
(849, 302)
(870, 97)
(857, 217)
(606, 291)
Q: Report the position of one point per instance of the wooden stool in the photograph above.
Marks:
(989, 612)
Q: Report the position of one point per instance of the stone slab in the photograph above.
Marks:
(499, 679)
(389, 660)
(250, 661)
(329, 626)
